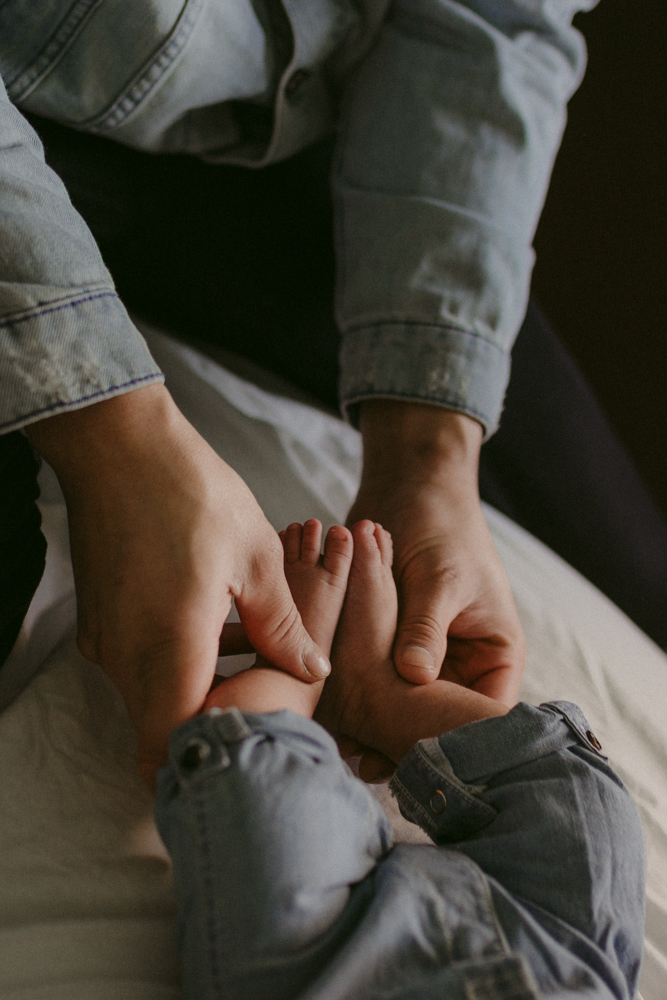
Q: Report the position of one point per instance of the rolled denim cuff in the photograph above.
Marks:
(218, 732)
(418, 362)
(439, 784)
(68, 353)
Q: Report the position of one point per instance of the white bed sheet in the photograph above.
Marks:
(86, 906)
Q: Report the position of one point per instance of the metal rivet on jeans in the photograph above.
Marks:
(195, 754)
(437, 802)
(593, 740)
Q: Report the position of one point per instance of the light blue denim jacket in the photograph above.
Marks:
(288, 885)
(448, 116)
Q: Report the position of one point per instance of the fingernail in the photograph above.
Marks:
(417, 656)
(316, 664)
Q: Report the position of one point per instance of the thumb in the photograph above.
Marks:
(426, 609)
(274, 628)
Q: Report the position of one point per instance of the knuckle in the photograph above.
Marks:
(424, 630)
(267, 566)
(283, 625)
(430, 571)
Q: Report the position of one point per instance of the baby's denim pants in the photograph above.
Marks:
(289, 885)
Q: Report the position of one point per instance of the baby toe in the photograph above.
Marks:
(338, 549)
(385, 544)
(291, 539)
(366, 556)
(311, 542)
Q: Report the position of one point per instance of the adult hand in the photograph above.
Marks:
(163, 534)
(457, 618)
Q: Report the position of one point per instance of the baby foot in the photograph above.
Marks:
(318, 582)
(364, 698)
(363, 673)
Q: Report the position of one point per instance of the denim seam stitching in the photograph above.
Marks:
(29, 78)
(209, 887)
(484, 889)
(427, 326)
(150, 74)
(456, 785)
(507, 979)
(424, 820)
(53, 308)
(83, 399)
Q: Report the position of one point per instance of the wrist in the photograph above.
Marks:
(418, 443)
(109, 430)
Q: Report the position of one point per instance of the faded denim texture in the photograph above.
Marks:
(288, 885)
(448, 118)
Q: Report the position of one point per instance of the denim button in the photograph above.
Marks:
(296, 81)
(437, 802)
(593, 740)
(195, 754)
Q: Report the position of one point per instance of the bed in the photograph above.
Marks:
(86, 906)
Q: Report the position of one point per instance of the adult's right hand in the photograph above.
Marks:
(163, 534)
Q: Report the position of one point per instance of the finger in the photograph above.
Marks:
(426, 609)
(273, 625)
(490, 667)
(348, 747)
(501, 684)
(375, 768)
(234, 641)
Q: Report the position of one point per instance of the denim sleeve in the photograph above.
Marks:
(530, 798)
(448, 133)
(65, 337)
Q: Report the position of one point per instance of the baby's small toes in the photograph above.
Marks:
(385, 544)
(366, 550)
(338, 548)
(311, 542)
(291, 539)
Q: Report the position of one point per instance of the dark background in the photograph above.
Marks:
(601, 272)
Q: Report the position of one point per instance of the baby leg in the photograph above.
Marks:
(271, 839)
